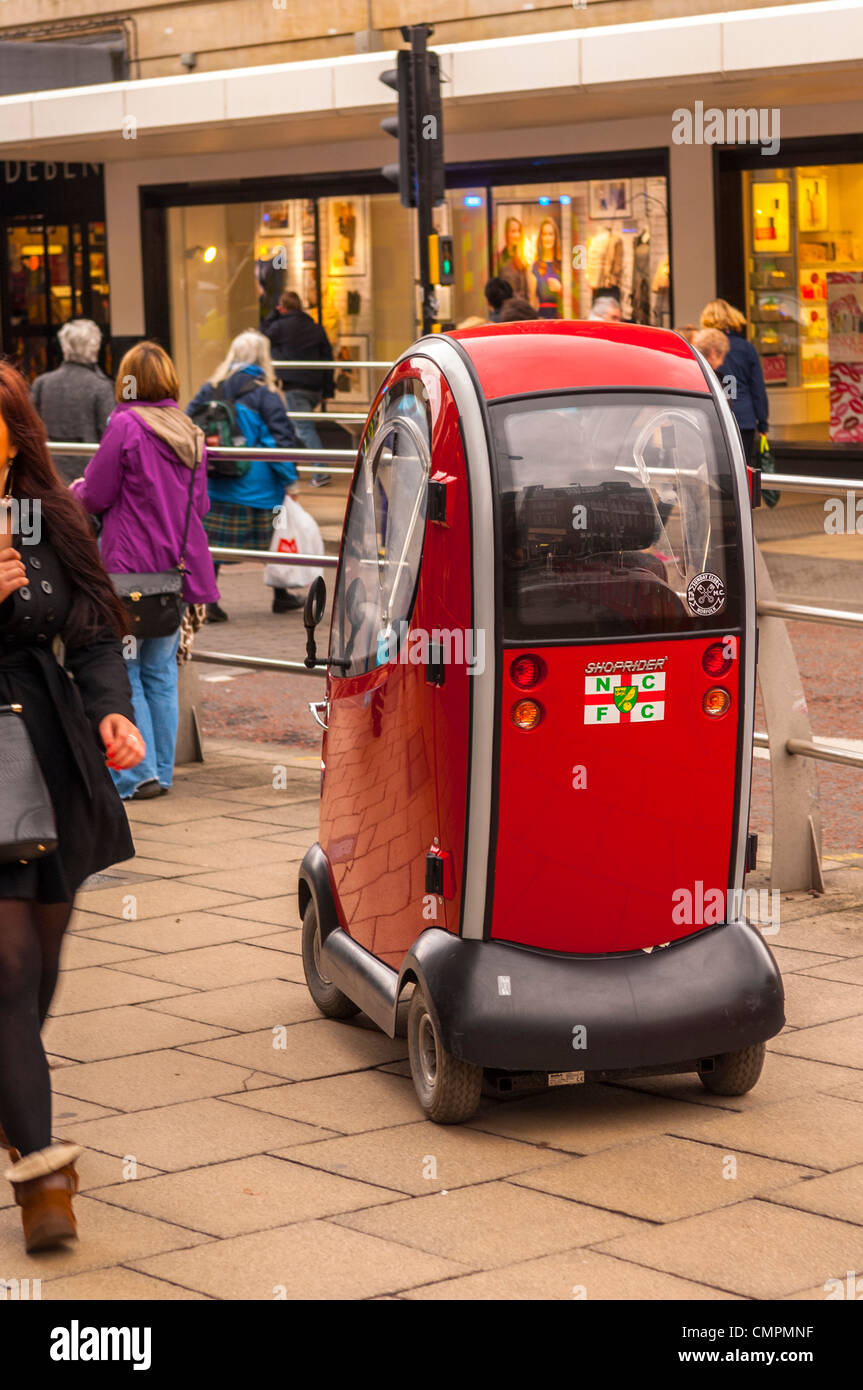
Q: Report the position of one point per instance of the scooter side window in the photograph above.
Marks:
(383, 542)
(617, 516)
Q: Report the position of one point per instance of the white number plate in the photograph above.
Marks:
(565, 1078)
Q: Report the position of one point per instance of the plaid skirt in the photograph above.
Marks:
(237, 527)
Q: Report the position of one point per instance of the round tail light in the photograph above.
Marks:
(716, 702)
(715, 660)
(526, 714)
(527, 671)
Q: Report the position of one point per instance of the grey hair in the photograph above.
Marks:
(80, 341)
(599, 304)
(249, 349)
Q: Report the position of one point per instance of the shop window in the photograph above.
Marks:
(560, 245)
(349, 258)
(804, 292)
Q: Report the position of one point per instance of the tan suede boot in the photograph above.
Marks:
(44, 1184)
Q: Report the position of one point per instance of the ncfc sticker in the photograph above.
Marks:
(705, 595)
(614, 700)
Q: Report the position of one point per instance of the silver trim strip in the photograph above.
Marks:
(477, 847)
(749, 615)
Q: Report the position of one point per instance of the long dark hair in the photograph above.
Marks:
(95, 606)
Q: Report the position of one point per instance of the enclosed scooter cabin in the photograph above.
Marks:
(538, 720)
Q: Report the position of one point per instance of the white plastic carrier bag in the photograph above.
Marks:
(295, 532)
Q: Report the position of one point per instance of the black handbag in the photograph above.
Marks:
(154, 602)
(28, 829)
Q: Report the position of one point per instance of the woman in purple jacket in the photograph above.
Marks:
(138, 481)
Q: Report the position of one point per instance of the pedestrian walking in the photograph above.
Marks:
(713, 346)
(606, 307)
(148, 482)
(497, 292)
(741, 369)
(517, 308)
(75, 400)
(245, 496)
(52, 585)
(296, 337)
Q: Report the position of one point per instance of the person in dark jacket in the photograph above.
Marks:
(75, 400)
(295, 337)
(52, 585)
(740, 372)
(242, 509)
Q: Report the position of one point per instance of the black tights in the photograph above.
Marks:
(31, 935)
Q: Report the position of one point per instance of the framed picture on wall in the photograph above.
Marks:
(308, 217)
(310, 287)
(351, 384)
(277, 219)
(610, 198)
(812, 202)
(348, 235)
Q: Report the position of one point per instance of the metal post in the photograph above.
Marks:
(419, 34)
(795, 861)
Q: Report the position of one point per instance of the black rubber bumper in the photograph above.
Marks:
(517, 1009)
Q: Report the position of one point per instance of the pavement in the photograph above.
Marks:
(239, 1146)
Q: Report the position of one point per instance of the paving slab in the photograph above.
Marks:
(180, 931)
(663, 1179)
(319, 1048)
(783, 1078)
(312, 1260)
(850, 969)
(209, 967)
(192, 1134)
(80, 952)
(149, 1078)
(103, 1033)
(829, 1042)
(252, 881)
(576, 1274)
(281, 911)
(490, 1224)
(581, 1119)
(155, 899)
(755, 1249)
(351, 1104)
(818, 1131)
(118, 1285)
(811, 1000)
(261, 1004)
(99, 986)
(835, 1194)
(248, 1194)
(420, 1157)
(104, 1234)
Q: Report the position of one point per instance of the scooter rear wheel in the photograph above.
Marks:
(327, 996)
(448, 1089)
(734, 1073)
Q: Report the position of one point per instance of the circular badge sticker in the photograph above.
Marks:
(705, 595)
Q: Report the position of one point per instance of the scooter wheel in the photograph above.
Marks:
(327, 996)
(448, 1088)
(734, 1073)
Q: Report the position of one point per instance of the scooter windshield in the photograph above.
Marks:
(618, 516)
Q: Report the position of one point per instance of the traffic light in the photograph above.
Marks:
(418, 127)
(441, 270)
(401, 126)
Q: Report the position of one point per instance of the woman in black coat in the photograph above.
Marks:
(77, 714)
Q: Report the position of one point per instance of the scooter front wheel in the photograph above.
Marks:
(734, 1073)
(327, 996)
(448, 1089)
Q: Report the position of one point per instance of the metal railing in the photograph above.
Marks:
(800, 829)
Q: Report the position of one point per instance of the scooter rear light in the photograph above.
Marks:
(527, 671)
(716, 702)
(527, 714)
(715, 660)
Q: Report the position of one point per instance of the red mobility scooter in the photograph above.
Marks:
(538, 720)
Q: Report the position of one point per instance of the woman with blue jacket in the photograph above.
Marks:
(242, 508)
(742, 365)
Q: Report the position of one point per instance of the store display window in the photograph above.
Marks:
(803, 236)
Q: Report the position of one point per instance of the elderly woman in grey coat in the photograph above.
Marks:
(75, 400)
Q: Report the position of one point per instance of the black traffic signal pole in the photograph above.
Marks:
(419, 130)
(419, 34)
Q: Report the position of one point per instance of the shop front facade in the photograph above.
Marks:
(559, 231)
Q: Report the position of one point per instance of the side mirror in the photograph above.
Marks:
(316, 602)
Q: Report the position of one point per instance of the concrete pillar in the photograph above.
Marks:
(693, 244)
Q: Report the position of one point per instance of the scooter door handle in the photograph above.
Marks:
(314, 706)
